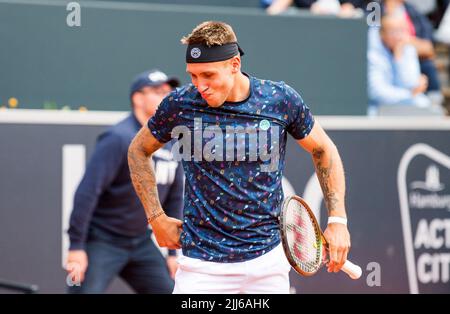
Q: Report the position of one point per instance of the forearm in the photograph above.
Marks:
(80, 218)
(330, 172)
(424, 48)
(106, 161)
(144, 181)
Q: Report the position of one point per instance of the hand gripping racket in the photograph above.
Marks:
(303, 241)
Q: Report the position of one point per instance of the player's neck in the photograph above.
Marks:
(241, 88)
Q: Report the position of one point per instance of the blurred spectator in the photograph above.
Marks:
(420, 36)
(424, 7)
(393, 67)
(343, 8)
(443, 32)
(438, 15)
(433, 9)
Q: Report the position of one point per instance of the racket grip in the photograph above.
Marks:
(354, 271)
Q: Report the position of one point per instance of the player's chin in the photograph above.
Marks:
(214, 103)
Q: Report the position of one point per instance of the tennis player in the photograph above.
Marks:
(232, 130)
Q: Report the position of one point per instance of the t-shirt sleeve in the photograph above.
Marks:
(300, 118)
(165, 119)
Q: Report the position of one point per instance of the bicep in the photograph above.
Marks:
(317, 139)
(145, 141)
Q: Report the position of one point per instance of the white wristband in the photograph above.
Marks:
(337, 220)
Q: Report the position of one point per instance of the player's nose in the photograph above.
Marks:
(202, 88)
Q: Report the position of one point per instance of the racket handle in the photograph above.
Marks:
(354, 271)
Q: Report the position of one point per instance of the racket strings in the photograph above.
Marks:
(304, 244)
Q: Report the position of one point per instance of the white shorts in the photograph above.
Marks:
(268, 273)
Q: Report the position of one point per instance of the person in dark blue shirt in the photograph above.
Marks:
(109, 235)
(232, 132)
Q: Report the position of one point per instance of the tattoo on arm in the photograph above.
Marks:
(143, 176)
(324, 170)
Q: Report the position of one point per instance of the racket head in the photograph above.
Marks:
(301, 236)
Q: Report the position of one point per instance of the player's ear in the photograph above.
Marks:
(235, 64)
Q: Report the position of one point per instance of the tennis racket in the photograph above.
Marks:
(303, 241)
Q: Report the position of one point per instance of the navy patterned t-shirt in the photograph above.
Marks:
(233, 158)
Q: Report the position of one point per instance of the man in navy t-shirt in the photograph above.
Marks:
(232, 131)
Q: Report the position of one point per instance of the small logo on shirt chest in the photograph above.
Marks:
(264, 125)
